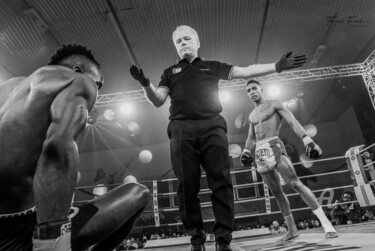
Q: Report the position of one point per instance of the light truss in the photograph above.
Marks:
(366, 69)
(369, 76)
(369, 80)
(300, 76)
(119, 97)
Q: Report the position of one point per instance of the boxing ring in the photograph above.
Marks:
(355, 172)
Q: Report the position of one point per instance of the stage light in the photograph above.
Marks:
(145, 156)
(109, 114)
(93, 116)
(274, 91)
(78, 177)
(292, 105)
(126, 108)
(91, 120)
(300, 94)
(134, 128)
(99, 190)
(311, 130)
(234, 150)
(240, 121)
(224, 96)
(303, 158)
(130, 179)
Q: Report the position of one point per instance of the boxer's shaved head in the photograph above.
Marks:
(252, 81)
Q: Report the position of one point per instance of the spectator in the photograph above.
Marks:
(276, 228)
(367, 215)
(301, 225)
(126, 245)
(317, 223)
(344, 211)
(133, 243)
(307, 225)
(142, 243)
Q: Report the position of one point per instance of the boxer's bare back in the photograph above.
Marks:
(25, 117)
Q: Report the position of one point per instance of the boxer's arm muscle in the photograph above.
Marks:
(250, 141)
(289, 118)
(69, 112)
(56, 173)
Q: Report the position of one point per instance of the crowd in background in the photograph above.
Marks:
(356, 215)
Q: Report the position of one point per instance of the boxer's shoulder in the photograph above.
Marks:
(53, 78)
(46, 74)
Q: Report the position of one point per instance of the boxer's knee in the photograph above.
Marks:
(144, 194)
(141, 192)
(296, 184)
(278, 193)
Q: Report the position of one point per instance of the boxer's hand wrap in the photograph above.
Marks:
(313, 151)
(246, 158)
(287, 62)
(138, 75)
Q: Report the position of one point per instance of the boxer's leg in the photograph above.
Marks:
(288, 173)
(272, 180)
(116, 213)
(117, 237)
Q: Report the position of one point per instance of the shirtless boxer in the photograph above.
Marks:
(41, 116)
(271, 156)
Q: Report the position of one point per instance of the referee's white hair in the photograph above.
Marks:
(184, 27)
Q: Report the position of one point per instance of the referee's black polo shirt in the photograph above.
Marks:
(193, 88)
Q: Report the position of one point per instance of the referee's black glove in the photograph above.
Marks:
(287, 62)
(138, 75)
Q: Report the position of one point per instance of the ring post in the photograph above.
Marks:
(267, 198)
(155, 202)
(361, 184)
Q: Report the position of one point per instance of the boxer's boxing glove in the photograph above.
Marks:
(246, 158)
(313, 151)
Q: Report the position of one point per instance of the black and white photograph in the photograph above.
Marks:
(187, 125)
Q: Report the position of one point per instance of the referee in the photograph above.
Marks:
(197, 131)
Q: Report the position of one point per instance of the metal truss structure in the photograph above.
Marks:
(366, 69)
(369, 76)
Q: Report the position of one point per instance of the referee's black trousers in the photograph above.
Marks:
(202, 142)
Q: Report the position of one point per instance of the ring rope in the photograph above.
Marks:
(367, 148)
(208, 204)
(203, 175)
(321, 174)
(207, 190)
(253, 168)
(369, 164)
(319, 160)
(250, 215)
